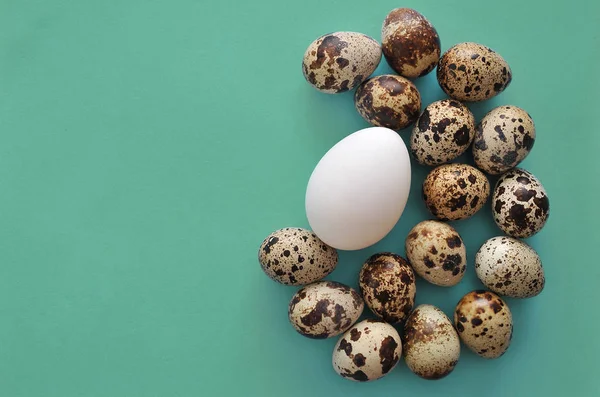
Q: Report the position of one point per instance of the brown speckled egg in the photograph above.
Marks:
(503, 139)
(510, 267)
(340, 61)
(443, 132)
(520, 204)
(437, 253)
(387, 283)
(324, 309)
(484, 323)
(431, 345)
(473, 72)
(411, 44)
(388, 101)
(367, 351)
(455, 191)
(295, 256)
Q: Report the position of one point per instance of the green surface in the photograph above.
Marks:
(147, 148)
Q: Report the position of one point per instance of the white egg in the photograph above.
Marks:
(358, 190)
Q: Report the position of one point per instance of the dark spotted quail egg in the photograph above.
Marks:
(388, 101)
(484, 323)
(473, 72)
(324, 309)
(520, 204)
(437, 253)
(503, 139)
(411, 44)
(510, 267)
(387, 283)
(367, 351)
(431, 345)
(295, 256)
(443, 132)
(455, 191)
(340, 61)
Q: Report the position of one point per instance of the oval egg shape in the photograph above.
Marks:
(484, 323)
(358, 190)
(367, 351)
(324, 309)
(436, 252)
(510, 267)
(455, 191)
(338, 62)
(520, 204)
(296, 256)
(411, 44)
(387, 284)
(431, 345)
(473, 72)
(504, 137)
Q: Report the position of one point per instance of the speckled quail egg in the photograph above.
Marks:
(473, 72)
(387, 283)
(296, 256)
(520, 204)
(411, 44)
(338, 62)
(367, 351)
(324, 309)
(484, 323)
(436, 252)
(503, 139)
(388, 101)
(455, 191)
(510, 267)
(443, 132)
(431, 345)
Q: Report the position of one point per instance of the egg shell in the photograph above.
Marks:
(340, 61)
(387, 284)
(455, 191)
(473, 72)
(411, 44)
(504, 137)
(443, 132)
(431, 345)
(367, 351)
(324, 309)
(510, 267)
(367, 170)
(520, 204)
(484, 323)
(388, 101)
(436, 252)
(296, 256)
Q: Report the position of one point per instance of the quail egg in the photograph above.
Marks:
(443, 132)
(296, 256)
(473, 72)
(411, 44)
(431, 345)
(340, 61)
(436, 252)
(367, 351)
(388, 101)
(387, 283)
(503, 139)
(520, 203)
(455, 191)
(510, 267)
(484, 323)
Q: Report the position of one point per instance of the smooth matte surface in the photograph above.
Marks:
(147, 148)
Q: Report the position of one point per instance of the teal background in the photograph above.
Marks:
(147, 148)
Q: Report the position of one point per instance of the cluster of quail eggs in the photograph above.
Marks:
(429, 340)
